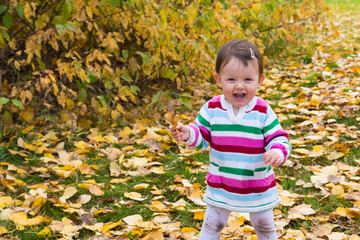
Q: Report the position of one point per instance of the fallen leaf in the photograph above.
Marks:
(301, 211)
(133, 219)
(159, 207)
(95, 190)
(155, 235)
(20, 218)
(110, 226)
(84, 198)
(68, 193)
(3, 230)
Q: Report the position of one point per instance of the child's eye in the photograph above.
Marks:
(231, 80)
(248, 79)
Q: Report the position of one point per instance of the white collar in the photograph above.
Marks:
(228, 106)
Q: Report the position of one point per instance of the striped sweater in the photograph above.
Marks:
(238, 179)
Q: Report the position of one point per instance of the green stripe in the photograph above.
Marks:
(241, 206)
(271, 126)
(236, 128)
(203, 121)
(201, 145)
(239, 171)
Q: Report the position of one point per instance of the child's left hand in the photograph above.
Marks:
(272, 158)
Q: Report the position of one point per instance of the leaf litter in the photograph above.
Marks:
(316, 97)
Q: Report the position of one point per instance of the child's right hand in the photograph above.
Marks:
(181, 133)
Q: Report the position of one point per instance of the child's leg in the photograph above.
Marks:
(264, 225)
(214, 221)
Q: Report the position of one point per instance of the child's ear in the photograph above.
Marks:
(261, 79)
(217, 79)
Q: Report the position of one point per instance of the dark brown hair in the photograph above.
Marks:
(241, 50)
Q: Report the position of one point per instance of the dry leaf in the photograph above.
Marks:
(301, 211)
(135, 196)
(68, 193)
(3, 230)
(133, 219)
(95, 190)
(170, 116)
(108, 227)
(159, 207)
(84, 199)
(158, 235)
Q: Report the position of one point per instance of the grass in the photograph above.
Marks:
(344, 5)
(113, 193)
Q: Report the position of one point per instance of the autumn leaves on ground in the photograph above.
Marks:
(138, 183)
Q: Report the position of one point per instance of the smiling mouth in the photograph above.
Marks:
(239, 96)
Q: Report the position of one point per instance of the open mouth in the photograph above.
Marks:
(239, 96)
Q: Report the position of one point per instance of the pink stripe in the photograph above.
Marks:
(205, 133)
(214, 179)
(278, 133)
(215, 103)
(196, 135)
(281, 147)
(238, 141)
(262, 102)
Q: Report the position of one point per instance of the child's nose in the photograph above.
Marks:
(239, 85)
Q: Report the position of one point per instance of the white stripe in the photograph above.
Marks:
(215, 171)
(250, 203)
(243, 165)
(237, 134)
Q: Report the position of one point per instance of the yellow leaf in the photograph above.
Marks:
(27, 130)
(45, 232)
(155, 235)
(85, 169)
(64, 172)
(341, 211)
(317, 151)
(337, 190)
(95, 190)
(20, 218)
(199, 215)
(3, 230)
(159, 207)
(115, 169)
(335, 155)
(119, 180)
(84, 199)
(301, 151)
(88, 184)
(6, 201)
(188, 229)
(36, 205)
(89, 13)
(108, 227)
(158, 170)
(256, 7)
(134, 195)
(141, 186)
(133, 219)
(68, 193)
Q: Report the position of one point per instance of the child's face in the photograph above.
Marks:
(239, 82)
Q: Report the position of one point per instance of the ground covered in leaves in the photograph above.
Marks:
(138, 183)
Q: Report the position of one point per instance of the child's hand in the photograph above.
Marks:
(181, 133)
(272, 158)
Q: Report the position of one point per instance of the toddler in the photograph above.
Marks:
(245, 139)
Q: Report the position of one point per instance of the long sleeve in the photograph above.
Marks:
(275, 137)
(200, 135)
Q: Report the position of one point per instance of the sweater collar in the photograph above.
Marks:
(228, 106)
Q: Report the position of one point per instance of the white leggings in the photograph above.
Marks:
(216, 218)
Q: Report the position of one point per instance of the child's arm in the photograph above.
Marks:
(277, 146)
(195, 135)
(181, 133)
(271, 157)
